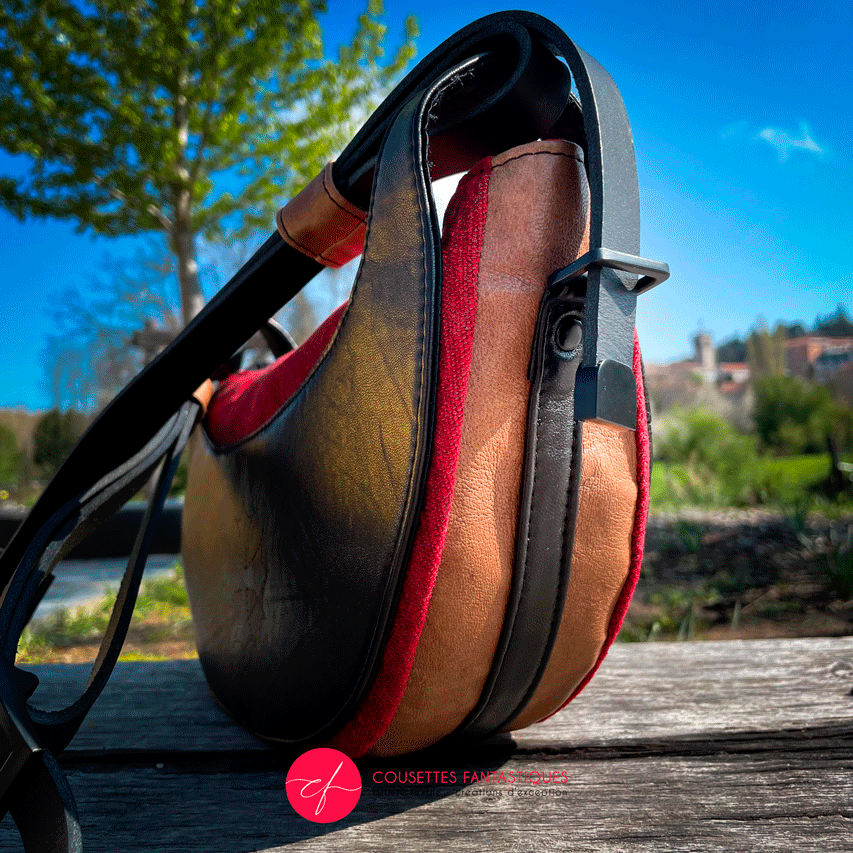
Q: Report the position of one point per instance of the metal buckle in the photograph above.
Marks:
(651, 272)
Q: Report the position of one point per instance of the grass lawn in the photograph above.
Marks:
(789, 483)
(790, 574)
(161, 627)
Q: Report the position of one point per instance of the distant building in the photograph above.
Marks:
(701, 380)
(817, 357)
(704, 367)
(705, 360)
(829, 362)
(733, 371)
(724, 386)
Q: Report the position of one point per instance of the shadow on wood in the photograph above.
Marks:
(709, 746)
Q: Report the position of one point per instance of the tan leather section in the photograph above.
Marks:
(537, 222)
(601, 559)
(322, 224)
(203, 394)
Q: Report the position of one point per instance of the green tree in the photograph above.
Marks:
(837, 325)
(734, 349)
(55, 434)
(793, 416)
(10, 458)
(765, 352)
(178, 116)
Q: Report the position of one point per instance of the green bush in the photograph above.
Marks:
(791, 482)
(710, 461)
(702, 460)
(793, 416)
(692, 435)
(55, 435)
(10, 458)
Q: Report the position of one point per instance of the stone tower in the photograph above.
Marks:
(706, 355)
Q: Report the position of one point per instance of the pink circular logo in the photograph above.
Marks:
(323, 785)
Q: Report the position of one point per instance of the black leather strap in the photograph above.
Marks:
(32, 786)
(551, 475)
(518, 77)
(546, 521)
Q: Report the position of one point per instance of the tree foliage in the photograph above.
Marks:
(835, 325)
(10, 458)
(54, 437)
(178, 116)
(733, 349)
(765, 352)
(87, 356)
(793, 416)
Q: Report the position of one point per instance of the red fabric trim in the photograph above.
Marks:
(464, 227)
(245, 401)
(638, 536)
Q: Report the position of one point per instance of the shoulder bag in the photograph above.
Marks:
(425, 523)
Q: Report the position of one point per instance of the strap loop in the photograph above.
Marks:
(652, 273)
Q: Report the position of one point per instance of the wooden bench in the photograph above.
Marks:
(688, 746)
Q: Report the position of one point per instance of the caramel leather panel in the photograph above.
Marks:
(322, 224)
(203, 394)
(537, 222)
(601, 560)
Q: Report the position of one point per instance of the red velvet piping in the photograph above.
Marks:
(245, 401)
(464, 227)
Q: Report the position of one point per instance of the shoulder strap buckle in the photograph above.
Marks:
(651, 273)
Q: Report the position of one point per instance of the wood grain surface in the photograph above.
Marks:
(693, 746)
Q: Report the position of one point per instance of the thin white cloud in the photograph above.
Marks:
(786, 143)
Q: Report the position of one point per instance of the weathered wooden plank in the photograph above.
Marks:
(723, 802)
(696, 746)
(643, 691)
(652, 690)
(147, 706)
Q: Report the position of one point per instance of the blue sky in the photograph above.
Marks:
(742, 122)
